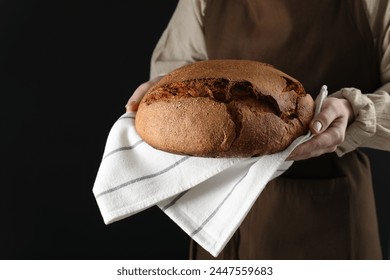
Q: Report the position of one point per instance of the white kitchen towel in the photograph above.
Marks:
(207, 197)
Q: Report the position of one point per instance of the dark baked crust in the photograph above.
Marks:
(224, 108)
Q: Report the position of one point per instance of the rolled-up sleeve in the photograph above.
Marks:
(371, 127)
(182, 41)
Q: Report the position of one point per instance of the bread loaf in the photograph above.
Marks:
(224, 108)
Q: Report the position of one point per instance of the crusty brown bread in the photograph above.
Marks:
(224, 108)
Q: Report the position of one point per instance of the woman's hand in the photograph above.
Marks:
(328, 127)
(135, 99)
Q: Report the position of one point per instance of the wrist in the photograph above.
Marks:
(348, 109)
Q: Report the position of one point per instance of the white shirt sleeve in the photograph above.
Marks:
(182, 41)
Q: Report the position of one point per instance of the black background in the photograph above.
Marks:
(67, 68)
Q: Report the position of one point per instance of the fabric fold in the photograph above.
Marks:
(207, 197)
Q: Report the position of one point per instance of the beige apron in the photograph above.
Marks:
(321, 208)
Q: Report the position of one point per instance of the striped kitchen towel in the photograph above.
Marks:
(207, 197)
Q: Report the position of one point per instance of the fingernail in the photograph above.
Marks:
(317, 126)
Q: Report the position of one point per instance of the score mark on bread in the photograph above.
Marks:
(224, 108)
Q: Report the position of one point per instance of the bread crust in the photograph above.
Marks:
(224, 108)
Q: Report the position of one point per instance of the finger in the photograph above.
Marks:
(135, 99)
(132, 106)
(329, 112)
(299, 155)
(325, 142)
